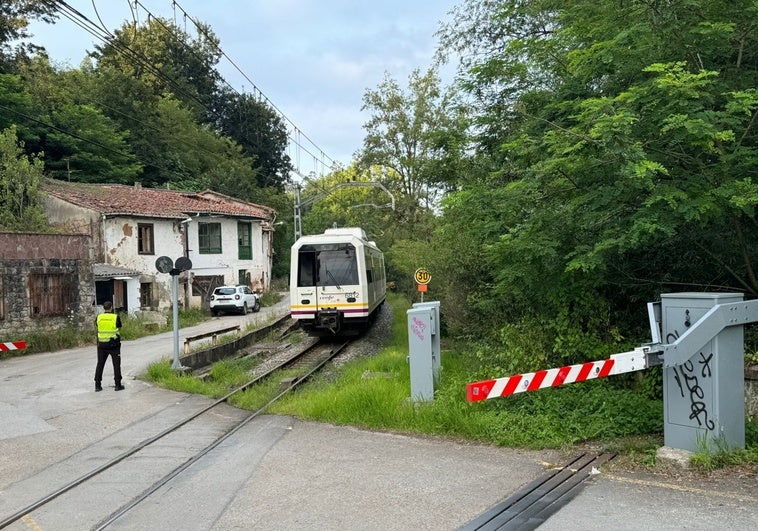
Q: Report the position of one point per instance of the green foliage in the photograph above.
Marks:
(19, 184)
(14, 20)
(374, 392)
(161, 374)
(714, 452)
(45, 341)
(622, 164)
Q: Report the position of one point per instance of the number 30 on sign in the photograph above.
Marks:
(422, 276)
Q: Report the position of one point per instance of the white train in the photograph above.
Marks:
(337, 281)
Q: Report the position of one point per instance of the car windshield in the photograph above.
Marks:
(225, 291)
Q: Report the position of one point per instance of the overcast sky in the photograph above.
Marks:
(313, 59)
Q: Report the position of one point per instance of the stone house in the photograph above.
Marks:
(226, 240)
(46, 282)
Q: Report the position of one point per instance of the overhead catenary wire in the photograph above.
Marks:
(294, 136)
(108, 37)
(105, 35)
(200, 30)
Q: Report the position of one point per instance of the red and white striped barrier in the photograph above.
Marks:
(12, 345)
(532, 381)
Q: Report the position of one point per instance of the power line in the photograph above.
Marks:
(74, 135)
(297, 130)
(105, 35)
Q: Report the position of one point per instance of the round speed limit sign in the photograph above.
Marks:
(422, 275)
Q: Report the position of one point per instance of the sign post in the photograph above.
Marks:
(422, 276)
(164, 264)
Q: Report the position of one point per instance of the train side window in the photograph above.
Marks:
(369, 276)
(305, 274)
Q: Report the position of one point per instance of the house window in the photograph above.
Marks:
(50, 295)
(244, 277)
(244, 241)
(145, 242)
(209, 238)
(146, 294)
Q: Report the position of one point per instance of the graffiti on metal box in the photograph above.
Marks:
(688, 380)
(418, 327)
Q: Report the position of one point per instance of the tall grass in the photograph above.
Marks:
(375, 393)
(133, 327)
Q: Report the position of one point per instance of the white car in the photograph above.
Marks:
(239, 299)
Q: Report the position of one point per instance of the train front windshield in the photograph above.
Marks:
(327, 265)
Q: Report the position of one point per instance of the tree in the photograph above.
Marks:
(167, 60)
(77, 139)
(409, 134)
(348, 198)
(261, 133)
(19, 186)
(14, 15)
(624, 156)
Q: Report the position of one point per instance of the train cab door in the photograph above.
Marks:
(307, 274)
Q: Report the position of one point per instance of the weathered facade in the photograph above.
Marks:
(227, 240)
(46, 282)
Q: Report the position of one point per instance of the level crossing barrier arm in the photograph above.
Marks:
(656, 353)
(12, 345)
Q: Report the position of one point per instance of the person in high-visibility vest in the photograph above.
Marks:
(108, 344)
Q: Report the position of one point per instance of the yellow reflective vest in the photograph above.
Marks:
(106, 327)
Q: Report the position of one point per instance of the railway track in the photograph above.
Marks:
(308, 360)
(537, 501)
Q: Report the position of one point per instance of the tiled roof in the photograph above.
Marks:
(119, 199)
(105, 271)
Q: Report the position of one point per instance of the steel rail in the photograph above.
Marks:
(181, 468)
(536, 502)
(142, 445)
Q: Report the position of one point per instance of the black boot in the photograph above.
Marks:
(98, 387)
(119, 387)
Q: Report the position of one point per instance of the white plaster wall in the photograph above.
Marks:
(121, 234)
(227, 263)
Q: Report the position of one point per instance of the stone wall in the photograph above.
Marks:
(23, 254)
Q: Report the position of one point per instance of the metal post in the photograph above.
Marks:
(175, 288)
(297, 215)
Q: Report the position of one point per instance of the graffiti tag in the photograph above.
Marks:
(418, 328)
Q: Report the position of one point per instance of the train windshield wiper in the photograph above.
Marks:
(329, 274)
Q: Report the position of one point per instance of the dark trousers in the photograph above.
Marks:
(103, 351)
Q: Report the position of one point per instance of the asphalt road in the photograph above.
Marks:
(282, 473)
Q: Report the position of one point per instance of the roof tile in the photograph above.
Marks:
(119, 199)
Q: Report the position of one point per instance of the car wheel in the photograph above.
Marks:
(214, 312)
(244, 309)
(257, 306)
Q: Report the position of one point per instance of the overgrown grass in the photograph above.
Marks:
(373, 392)
(72, 337)
(224, 376)
(716, 453)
